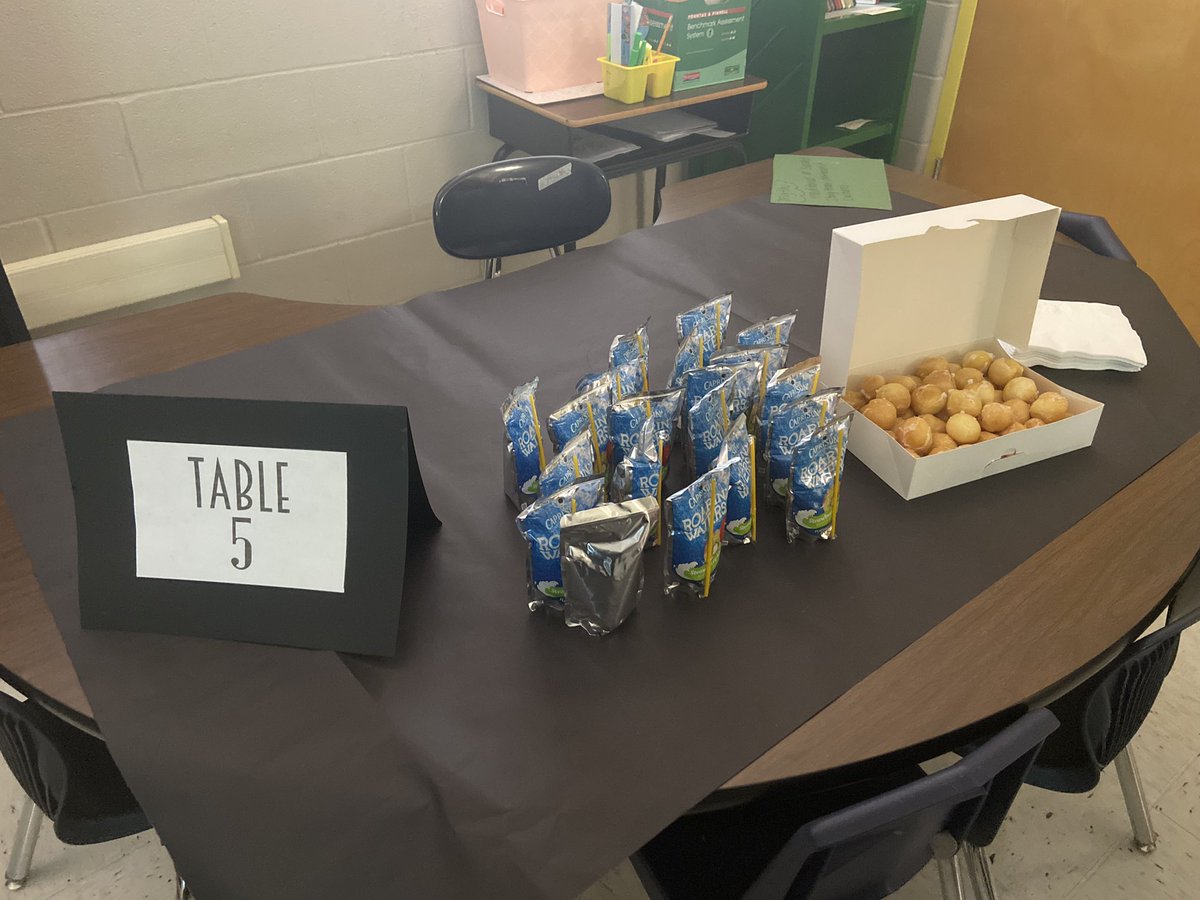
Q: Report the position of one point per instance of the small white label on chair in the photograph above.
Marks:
(240, 515)
(554, 177)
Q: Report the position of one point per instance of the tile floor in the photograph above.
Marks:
(1055, 846)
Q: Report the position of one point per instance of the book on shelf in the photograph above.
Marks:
(835, 5)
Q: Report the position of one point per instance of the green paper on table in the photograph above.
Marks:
(830, 181)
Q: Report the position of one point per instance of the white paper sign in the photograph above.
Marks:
(240, 515)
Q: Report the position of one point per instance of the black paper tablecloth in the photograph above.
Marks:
(500, 754)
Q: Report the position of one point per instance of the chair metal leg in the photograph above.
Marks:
(950, 876)
(489, 269)
(182, 891)
(1144, 837)
(981, 873)
(29, 824)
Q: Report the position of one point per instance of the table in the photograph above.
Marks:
(550, 129)
(1026, 634)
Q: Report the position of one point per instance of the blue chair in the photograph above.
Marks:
(520, 206)
(789, 843)
(1095, 233)
(12, 323)
(69, 777)
(1101, 716)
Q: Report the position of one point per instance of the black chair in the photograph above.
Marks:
(68, 777)
(1095, 233)
(12, 323)
(787, 843)
(520, 206)
(1101, 716)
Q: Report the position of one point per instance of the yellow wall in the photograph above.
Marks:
(1094, 106)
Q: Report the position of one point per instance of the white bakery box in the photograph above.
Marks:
(941, 283)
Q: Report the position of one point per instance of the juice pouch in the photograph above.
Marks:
(694, 519)
(576, 462)
(586, 413)
(628, 379)
(708, 420)
(741, 514)
(539, 525)
(632, 348)
(642, 472)
(768, 358)
(590, 380)
(710, 320)
(690, 355)
(772, 356)
(626, 418)
(775, 330)
(789, 426)
(603, 562)
(524, 454)
(784, 387)
(815, 486)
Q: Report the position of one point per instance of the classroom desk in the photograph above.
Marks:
(550, 129)
(1032, 631)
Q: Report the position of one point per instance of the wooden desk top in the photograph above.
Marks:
(1060, 610)
(599, 110)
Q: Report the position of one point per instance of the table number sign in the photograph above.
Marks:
(263, 521)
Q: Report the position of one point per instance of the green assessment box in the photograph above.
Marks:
(708, 36)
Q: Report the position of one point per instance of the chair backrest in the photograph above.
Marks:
(12, 323)
(1122, 696)
(519, 206)
(29, 744)
(872, 848)
(1095, 233)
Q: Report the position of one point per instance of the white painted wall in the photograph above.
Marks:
(929, 72)
(320, 130)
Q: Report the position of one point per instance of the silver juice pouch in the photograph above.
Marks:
(775, 330)
(630, 348)
(692, 524)
(586, 413)
(741, 514)
(539, 525)
(626, 418)
(628, 379)
(642, 473)
(815, 486)
(784, 387)
(576, 462)
(690, 355)
(603, 562)
(792, 424)
(710, 320)
(524, 453)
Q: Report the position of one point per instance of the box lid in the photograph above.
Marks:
(900, 286)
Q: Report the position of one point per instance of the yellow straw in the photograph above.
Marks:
(837, 487)
(600, 465)
(658, 495)
(537, 433)
(753, 494)
(712, 517)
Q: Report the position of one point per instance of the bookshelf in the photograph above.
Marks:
(823, 70)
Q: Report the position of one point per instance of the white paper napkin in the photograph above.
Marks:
(1073, 335)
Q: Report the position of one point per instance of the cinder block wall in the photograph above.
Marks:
(320, 130)
(933, 53)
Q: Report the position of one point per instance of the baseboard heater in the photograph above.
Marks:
(87, 280)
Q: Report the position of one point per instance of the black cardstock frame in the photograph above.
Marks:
(386, 506)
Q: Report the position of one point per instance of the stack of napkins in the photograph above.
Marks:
(1070, 335)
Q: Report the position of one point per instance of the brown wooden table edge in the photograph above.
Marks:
(676, 100)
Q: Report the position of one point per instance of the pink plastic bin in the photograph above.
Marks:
(543, 45)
